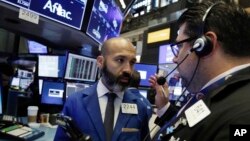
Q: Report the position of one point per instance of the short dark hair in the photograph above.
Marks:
(135, 79)
(229, 21)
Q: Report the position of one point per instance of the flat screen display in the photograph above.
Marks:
(159, 35)
(145, 70)
(20, 83)
(72, 87)
(24, 74)
(67, 12)
(165, 54)
(105, 20)
(25, 83)
(52, 92)
(37, 48)
(15, 82)
(51, 66)
(80, 68)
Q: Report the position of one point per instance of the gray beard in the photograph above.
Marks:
(111, 81)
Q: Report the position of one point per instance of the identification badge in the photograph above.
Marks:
(197, 113)
(128, 108)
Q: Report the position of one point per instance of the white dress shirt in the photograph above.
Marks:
(103, 100)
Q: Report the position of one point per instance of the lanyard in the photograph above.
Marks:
(169, 127)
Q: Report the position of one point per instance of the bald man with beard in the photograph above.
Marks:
(88, 107)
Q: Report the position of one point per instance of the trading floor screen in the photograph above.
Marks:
(81, 68)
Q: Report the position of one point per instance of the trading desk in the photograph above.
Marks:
(19, 132)
(15, 131)
(49, 133)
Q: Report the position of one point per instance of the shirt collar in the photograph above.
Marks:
(102, 90)
(225, 74)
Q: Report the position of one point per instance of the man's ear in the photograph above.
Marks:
(100, 61)
(213, 37)
(213, 42)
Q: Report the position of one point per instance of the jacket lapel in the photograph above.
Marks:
(93, 108)
(123, 118)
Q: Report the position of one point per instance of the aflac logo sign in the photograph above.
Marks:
(57, 8)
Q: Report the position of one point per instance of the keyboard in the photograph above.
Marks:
(14, 131)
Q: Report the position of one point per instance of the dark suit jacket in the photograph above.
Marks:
(84, 108)
(229, 104)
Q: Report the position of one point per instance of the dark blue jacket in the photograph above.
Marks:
(84, 108)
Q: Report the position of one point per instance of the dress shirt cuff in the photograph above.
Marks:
(163, 110)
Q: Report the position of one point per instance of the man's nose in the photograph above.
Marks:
(128, 68)
(175, 59)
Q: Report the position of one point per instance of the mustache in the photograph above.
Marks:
(125, 74)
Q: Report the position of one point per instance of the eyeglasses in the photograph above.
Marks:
(175, 47)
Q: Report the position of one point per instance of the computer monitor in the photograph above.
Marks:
(22, 84)
(145, 70)
(80, 68)
(158, 35)
(36, 48)
(72, 87)
(52, 92)
(25, 83)
(165, 54)
(51, 66)
(15, 82)
(105, 20)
